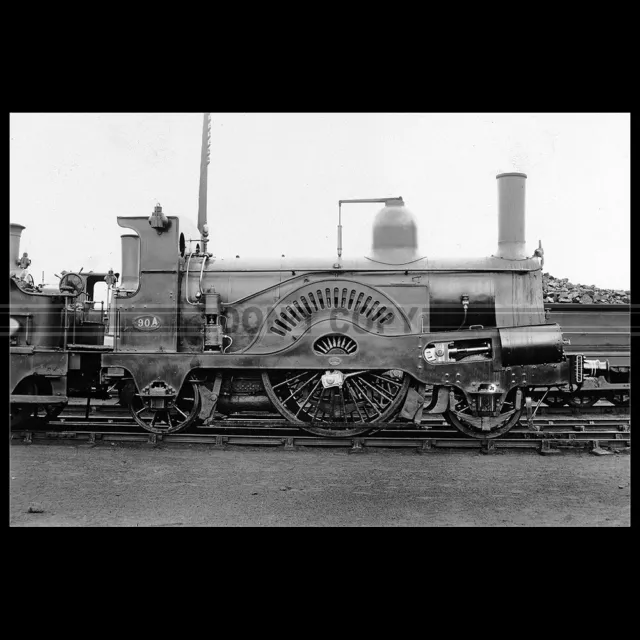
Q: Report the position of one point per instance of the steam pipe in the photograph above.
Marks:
(204, 261)
(511, 216)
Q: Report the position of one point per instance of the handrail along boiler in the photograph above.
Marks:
(338, 346)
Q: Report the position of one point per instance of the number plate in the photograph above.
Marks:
(146, 323)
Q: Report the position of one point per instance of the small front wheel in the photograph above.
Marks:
(177, 416)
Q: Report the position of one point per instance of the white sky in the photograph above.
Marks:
(275, 181)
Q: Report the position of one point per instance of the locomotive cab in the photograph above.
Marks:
(56, 338)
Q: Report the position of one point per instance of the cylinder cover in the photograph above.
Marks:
(534, 344)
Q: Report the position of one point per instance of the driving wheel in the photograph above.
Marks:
(353, 408)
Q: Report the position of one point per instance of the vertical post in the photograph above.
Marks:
(339, 229)
(66, 325)
(202, 196)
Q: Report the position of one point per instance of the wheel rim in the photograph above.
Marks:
(461, 418)
(365, 399)
(177, 417)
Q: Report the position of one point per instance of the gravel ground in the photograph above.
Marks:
(65, 484)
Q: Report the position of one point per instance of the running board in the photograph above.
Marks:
(29, 399)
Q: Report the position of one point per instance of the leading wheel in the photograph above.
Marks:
(365, 398)
(459, 415)
(178, 416)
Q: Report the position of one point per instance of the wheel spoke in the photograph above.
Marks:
(307, 398)
(289, 380)
(366, 397)
(377, 390)
(344, 408)
(360, 395)
(182, 413)
(318, 405)
(386, 379)
(333, 404)
(298, 389)
(355, 401)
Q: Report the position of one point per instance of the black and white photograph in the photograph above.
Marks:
(320, 319)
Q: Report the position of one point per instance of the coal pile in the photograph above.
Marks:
(561, 290)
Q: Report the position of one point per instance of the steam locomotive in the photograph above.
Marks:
(337, 346)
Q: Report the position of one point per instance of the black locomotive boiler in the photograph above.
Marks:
(338, 346)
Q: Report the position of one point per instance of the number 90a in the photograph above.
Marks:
(146, 323)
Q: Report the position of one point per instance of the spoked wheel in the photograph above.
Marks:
(620, 399)
(556, 399)
(365, 398)
(180, 415)
(459, 415)
(581, 400)
(25, 414)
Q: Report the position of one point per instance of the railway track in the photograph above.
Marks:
(600, 435)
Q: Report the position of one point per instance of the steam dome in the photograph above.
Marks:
(395, 234)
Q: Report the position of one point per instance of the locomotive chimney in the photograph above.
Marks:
(511, 219)
(14, 248)
(130, 248)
